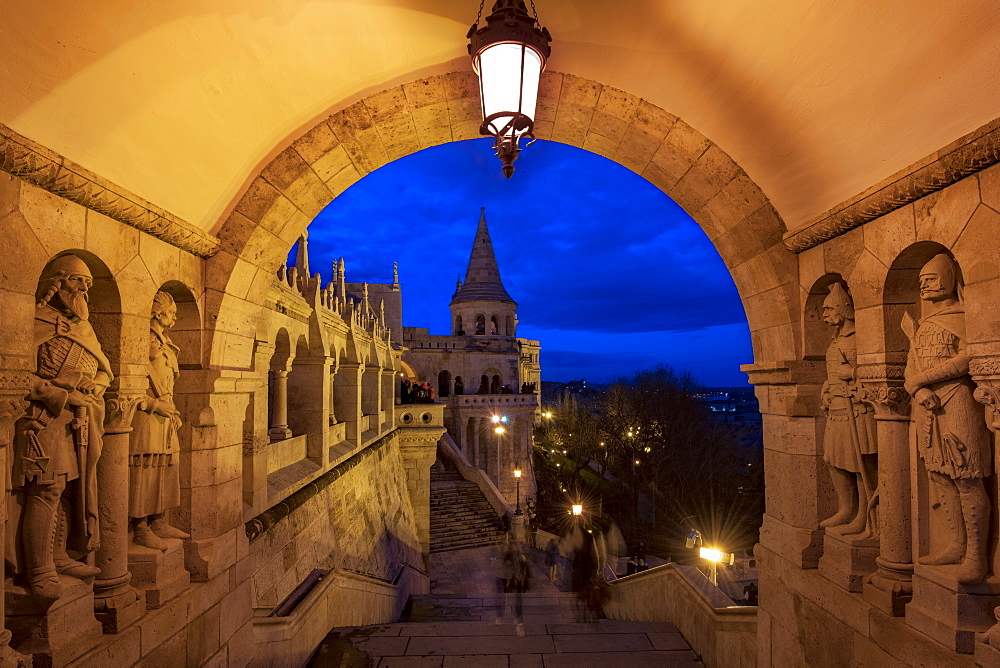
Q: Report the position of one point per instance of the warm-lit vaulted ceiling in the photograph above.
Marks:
(181, 101)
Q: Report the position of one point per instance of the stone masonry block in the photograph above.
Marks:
(58, 223)
(18, 240)
(425, 92)
(384, 105)
(458, 85)
(942, 215)
(976, 249)
(316, 143)
(258, 199)
(116, 244)
(285, 168)
(989, 187)
(652, 120)
(349, 121)
(579, 91)
(617, 103)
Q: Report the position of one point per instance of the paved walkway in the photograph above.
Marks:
(475, 572)
(463, 622)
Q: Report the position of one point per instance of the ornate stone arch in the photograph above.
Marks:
(325, 160)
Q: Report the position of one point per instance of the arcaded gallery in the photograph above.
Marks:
(211, 449)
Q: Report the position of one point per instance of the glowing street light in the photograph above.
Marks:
(714, 558)
(577, 509)
(499, 430)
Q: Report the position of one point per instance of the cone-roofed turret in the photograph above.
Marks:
(482, 278)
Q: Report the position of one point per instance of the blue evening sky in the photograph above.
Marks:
(608, 272)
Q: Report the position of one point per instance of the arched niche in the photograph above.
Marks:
(444, 383)
(105, 305)
(816, 334)
(901, 294)
(302, 395)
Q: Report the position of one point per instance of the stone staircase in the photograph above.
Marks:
(461, 517)
(454, 631)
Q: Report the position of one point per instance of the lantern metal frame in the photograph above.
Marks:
(508, 23)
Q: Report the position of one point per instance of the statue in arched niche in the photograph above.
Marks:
(849, 446)
(154, 451)
(950, 425)
(58, 442)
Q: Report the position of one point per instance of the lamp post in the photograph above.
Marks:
(517, 477)
(509, 55)
(499, 431)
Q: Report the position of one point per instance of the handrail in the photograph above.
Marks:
(267, 519)
(475, 475)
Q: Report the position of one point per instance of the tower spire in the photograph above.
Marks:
(482, 277)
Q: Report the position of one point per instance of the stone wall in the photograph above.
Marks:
(830, 596)
(363, 522)
(723, 635)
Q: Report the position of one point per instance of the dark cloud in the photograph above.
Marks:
(583, 243)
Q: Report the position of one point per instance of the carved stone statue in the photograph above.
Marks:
(154, 451)
(849, 446)
(951, 433)
(58, 442)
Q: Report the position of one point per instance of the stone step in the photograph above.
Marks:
(600, 644)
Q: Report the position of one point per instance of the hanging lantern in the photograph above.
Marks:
(509, 55)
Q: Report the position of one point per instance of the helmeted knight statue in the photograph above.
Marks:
(154, 451)
(951, 428)
(58, 442)
(849, 446)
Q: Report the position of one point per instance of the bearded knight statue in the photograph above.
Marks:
(58, 442)
(849, 446)
(951, 428)
(154, 479)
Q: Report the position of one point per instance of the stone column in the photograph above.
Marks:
(418, 448)
(890, 588)
(799, 493)
(307, 399)
(116, 603)
(388, 382)
(370, 391)
(11, 408)
(347, 387)
(986, 374)
(279, 407)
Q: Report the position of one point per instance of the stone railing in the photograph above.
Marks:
(341, 598)
(722, 633)
(464, 400)
(449, 450)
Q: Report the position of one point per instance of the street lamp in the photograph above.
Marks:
(517, 477)
(509, 55)
(577, 509)
(714, 557)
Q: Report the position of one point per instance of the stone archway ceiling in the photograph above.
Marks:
(182, 102)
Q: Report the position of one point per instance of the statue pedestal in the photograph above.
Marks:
(848, 560)
(517, 528)
(987, 655)
(56, 636)
(948, 612)
(160, 575)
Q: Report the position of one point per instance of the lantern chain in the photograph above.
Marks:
(535, 12)
(479, 16)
